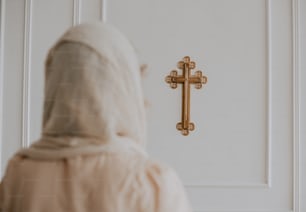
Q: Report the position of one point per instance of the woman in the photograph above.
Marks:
(91, 155)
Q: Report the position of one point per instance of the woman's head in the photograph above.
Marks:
(92, 86)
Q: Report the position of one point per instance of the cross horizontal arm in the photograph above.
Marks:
(193, 80)
(178, 79)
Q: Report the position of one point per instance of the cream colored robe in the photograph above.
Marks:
(91, 155)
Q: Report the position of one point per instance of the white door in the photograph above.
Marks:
(244, 152)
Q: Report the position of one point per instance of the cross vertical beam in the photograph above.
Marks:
(186, 79)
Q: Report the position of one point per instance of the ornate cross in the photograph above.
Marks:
(186, 79)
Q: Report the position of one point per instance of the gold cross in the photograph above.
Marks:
(186, 79)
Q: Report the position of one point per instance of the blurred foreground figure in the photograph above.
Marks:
(91, 157)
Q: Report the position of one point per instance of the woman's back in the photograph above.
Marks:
(118, 181)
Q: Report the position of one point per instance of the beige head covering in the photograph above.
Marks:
(93, 96)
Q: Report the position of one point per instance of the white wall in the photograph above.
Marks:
(21, 71)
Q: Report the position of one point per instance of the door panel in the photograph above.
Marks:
(229, 42)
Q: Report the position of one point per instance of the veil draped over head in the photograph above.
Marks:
(93, 95)
(90, 156)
